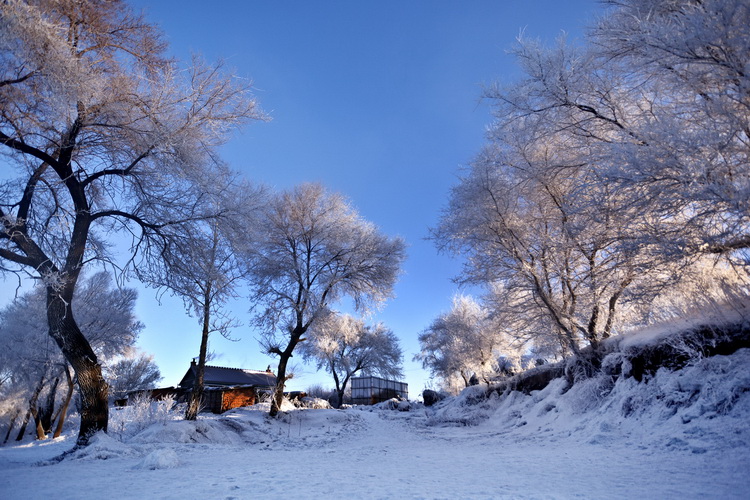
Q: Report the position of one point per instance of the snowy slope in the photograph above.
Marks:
(682, 434)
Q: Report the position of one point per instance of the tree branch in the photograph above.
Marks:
(118, 171)
(21, 79)
(26, 149)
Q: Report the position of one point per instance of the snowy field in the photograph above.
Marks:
(682, 435)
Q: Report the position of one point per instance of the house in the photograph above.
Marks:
(226, 388)
(372, 390)
(223, 388)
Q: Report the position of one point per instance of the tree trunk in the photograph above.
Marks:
(44, 413)
(281, 377)
(340, 394)
(25, 422)
(32, 407)
(196, 395)
(40, 434)
(91, 385)
(63, 411)
(12, 423)
(339, 388)
(278, 392)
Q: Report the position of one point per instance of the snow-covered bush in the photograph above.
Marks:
(587, 394)
(314, 403)
(160, 459)
(142, 412)
(397, 404)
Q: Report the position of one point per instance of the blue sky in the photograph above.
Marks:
(377, 100)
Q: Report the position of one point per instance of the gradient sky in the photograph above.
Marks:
(378, 100)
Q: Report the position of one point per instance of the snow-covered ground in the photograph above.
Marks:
(681, 435)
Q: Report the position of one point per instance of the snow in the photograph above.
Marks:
(683, 434)
(735, 311)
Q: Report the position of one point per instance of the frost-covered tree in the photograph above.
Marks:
(203, 268)
(313, 249)
(32, 363)
(133, 372)
(101, 134)
(610, 165)
(708, 291)
(344, 346)
(655, 100)
(684, 64)
(524, 215)
(463, 342)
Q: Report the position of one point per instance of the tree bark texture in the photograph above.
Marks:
(92, 387)
(278, 393)
(284, 356)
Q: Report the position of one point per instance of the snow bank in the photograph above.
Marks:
(102, 447)
(702, 406)
(676, 434)
(735, 312)
(184, 431)
(160, 459)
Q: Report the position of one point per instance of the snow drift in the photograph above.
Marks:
(679, 432)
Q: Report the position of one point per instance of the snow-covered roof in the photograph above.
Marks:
(224, 376)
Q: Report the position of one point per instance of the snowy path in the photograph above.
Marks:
(379, 454)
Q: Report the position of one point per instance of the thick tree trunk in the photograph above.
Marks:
(281, 376)
(196, 395)
(339, 388)
(340, 393)
(91, 385)
(278, 392)
(40, 434)
(63, 411)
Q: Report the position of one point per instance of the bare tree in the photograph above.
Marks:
(344, 346)
(312, 250)
(105, 134)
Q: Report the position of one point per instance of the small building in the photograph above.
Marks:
(226, 388)
(223, 388)
(373, 390)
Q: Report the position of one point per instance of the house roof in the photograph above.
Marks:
(223, 376)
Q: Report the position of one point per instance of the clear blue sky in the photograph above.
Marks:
(378, 100)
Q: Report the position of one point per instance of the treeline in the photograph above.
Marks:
(105, 137)
(613, 192)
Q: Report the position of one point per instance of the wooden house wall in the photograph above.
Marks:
(238, 397)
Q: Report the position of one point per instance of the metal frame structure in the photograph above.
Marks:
(372, 390)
